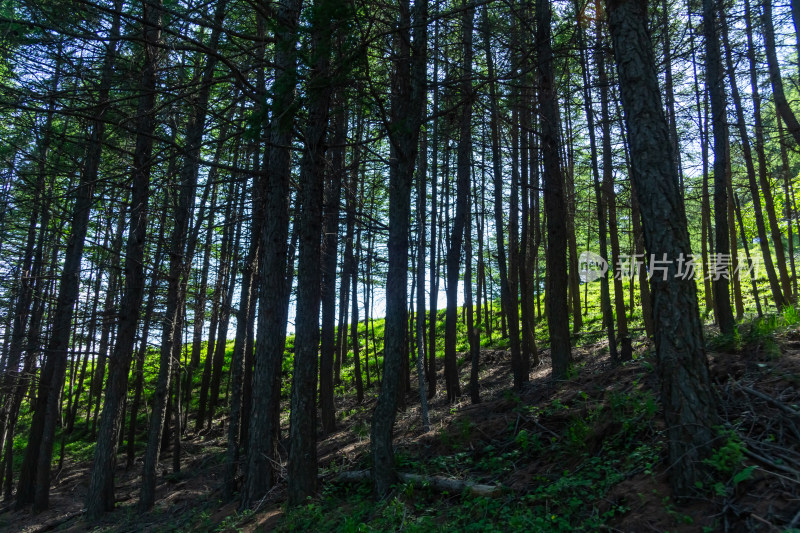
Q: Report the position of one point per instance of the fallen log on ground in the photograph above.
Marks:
(438, 483)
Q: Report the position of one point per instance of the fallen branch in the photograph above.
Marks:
(777, 403)
(438, 483)
(773, 464)
(58, 523)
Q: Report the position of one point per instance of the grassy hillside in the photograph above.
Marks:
(586, 454)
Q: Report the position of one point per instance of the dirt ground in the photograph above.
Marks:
(759, 394)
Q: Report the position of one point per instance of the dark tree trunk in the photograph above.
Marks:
(753, 283)
(781, 103)
(302, 470)
(705, 203)
(508, 302)
(609, 198)
(788, 202)
(689, 402)
(766, 187)
(57, 348)
(472, 332)
(273, 291)
(555, 207)
(179, 264)
(12, 389)
(605, 294)
(777, 292)
(141, 354)
(96, 385)
(100, 496)
(434, 250)
(462, 207)
(330, 237)
(349, 259)
(354, 322)
(408, 94)
(716, 90)
(422, 172)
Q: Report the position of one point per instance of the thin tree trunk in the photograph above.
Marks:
(605, 294)
(462, 206)
(610, 198)
(330, 238)
(141, 354)
(434, 249)
(781, 103)
(354, 323)
(230, 256)
(179, 265)
(273, 290)
(21, 326)
(716, 90)
(747, 254)
(788, 202)
(422, 172)
(555, 206)
(100, 496)
(777, 291)
(508, 306)
(408, 92)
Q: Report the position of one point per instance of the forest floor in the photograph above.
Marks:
(587, 454)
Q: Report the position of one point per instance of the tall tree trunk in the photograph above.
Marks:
(472, 332)
(689, 403)
(98, 374)
(302, 470)
(555, 207)
(777, 292)
(57, 349)
(230, 257)
(179, 264)
(141, 354)
(22, 324)
(354, 321)
(201, 296)
(462, 206)
(705, 204)
(602, 233)
(788, 202)
(408, 95)
(609, 195)
(330, 232)
(722, 254)
(273, 292)
(785, 113)
(422, 173)
(574, 281)
(434, 249)
(508, 303)
(348, 261)
(100, 496)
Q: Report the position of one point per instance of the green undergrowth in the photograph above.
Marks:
(595, 441)
(757, 333)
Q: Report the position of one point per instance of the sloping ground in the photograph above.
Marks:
(585, 454)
